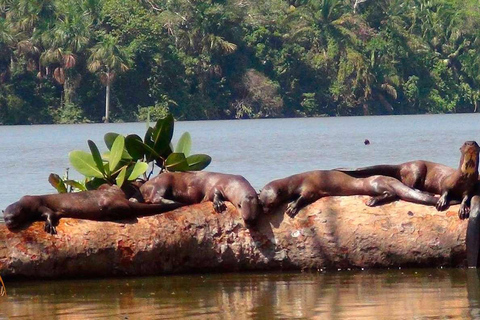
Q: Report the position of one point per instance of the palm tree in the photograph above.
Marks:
(66, 42)
(108, 58)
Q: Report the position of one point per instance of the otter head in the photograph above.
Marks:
(270, 198)
(18, 215)
(469, 159)
(249, 208)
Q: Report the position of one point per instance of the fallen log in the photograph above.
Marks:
(334, 232)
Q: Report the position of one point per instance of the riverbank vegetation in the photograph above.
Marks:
(62, 61)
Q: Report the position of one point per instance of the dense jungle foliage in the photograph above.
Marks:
(223, 59)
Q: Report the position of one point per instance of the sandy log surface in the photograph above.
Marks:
(332, 233)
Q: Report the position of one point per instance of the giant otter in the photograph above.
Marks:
(107, 203)
(305, 188)
(433, 177)
(196, 187)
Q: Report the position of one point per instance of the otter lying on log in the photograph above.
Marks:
(199, 186)
(105, 203)
(450, 183)
(304, 188)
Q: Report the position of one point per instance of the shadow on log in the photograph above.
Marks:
(334, 232)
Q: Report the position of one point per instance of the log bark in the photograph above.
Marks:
(334, 232)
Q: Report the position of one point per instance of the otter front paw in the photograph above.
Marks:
(50, 224)
(291, 210)
(219, 206)
(464, 212)
(50, 228)
(442, 204)
(372, 202)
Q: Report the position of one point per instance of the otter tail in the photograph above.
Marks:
(383, 169)
(413, 195)
(144, 209)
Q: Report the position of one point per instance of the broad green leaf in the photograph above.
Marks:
(184, 144)
(176, 162)
(135, 146)
(83, 162)
(149, 156)
(109, 139)
(57, 183)
(138, 169)
(198, 162)
(96, 155)
(75, 184)
(116, 152)
(162, 135)
(121, 176)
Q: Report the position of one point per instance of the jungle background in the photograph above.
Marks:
(229, 59)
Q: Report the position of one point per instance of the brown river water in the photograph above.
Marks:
(260, 150)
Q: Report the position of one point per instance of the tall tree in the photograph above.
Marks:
(108, 59)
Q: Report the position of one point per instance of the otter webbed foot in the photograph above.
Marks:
(442, 203)
(372, 202)
(50, 226)
(292, 209)
(219, 206)
(51, 220)
(464, 212)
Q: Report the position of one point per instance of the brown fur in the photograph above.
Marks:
(304, 188)
(108, 203)
(196, 187)
(450, 183)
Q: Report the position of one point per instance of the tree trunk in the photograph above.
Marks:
(334, 232)
(107, 102)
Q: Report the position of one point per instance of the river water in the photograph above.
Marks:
(260, 150)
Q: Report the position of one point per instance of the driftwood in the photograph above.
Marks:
(332, 233)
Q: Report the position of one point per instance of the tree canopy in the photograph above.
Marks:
(225, 59)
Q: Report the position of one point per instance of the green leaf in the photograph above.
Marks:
(83, 162)
(135, 146)
(184, 144)
(198, 162)
(109, 139)
(116, 152)
(75, 184)
(138, 169)
(57, 183)
(121, 176)
(162, 135)
(96, 155)
(176, 162)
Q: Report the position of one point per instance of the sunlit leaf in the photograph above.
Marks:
(121, 177)
(75, 184)
(83, 162)
(138, 169)
(96, 155)
(184, 144)
(116, 152)
(57, 183)
(109, 139)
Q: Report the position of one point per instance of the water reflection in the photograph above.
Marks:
(395, 294)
